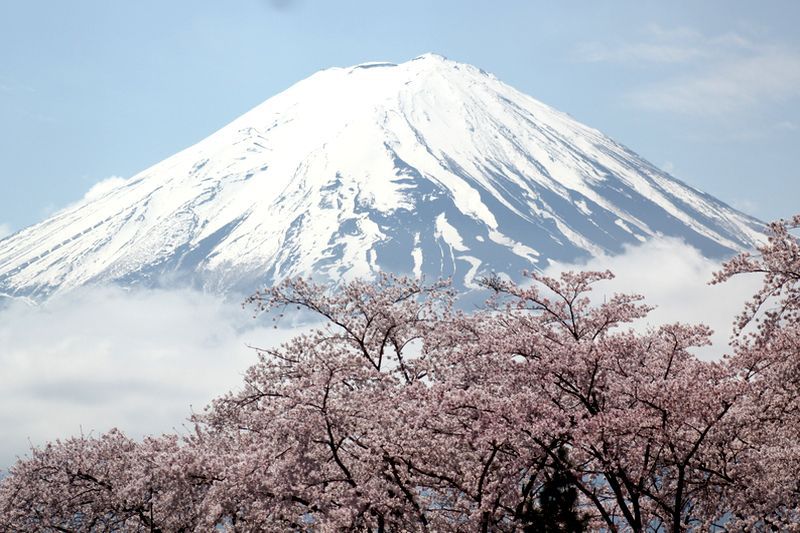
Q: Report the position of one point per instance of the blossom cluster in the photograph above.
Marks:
(404, 412)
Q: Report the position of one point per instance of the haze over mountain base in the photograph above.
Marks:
(100, 357)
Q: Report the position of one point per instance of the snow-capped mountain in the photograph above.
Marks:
(430, 167)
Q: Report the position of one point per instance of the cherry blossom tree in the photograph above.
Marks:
(767, 358)
(110, 483)
(548, 408)
(641, 415)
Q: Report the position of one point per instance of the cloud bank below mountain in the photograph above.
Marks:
(141, 360)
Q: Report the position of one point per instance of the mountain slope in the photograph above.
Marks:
(430, 167)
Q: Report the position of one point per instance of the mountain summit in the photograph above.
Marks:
(430, 167)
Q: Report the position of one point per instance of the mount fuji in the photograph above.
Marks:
(429, 167)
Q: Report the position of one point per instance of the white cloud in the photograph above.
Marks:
(5, 230)
(741, 84)
(97, 190)
(10, 86)
(637, 53)
(100, 358)
(708, 75)
(746, 205)
(674, 277)
(103, 186)
(787, 125)
(658, 45)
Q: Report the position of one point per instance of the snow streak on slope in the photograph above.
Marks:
(430, 167)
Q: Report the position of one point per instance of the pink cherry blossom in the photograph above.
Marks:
(403, 412)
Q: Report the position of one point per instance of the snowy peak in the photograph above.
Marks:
(429, 167)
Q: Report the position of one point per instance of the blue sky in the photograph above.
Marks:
(91, 89)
